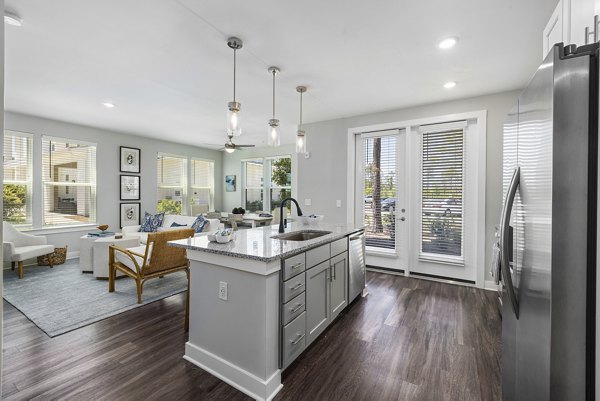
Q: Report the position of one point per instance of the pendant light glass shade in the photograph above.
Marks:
(234, 127)
(273, 131)
(234, 119)
(300, 135)
(300, 142)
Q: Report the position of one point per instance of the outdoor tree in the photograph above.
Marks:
(376, 173)
(169, 206)
(14, 202)
(281, 176)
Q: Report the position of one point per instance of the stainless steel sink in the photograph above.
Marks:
(303, 235)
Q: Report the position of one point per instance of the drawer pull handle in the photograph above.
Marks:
(298, 339)
(297, 308)
(297, 286)
(297, 265)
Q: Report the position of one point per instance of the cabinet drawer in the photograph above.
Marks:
(293, 287)
(293, 266)
(294, 339)
(339, 246)
(294, 308)
(317, 255)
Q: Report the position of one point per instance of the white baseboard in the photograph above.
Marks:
(246, 382)
(491, 285)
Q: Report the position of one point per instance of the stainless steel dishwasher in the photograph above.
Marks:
(357, 265)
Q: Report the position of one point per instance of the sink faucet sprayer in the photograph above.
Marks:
(281, 211)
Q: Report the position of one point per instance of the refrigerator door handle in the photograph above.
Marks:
(505, 242)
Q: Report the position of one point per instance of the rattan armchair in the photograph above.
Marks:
(155, 259)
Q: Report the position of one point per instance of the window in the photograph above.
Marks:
(69, 182)
(442, 193)
(172, 183)
(17, 184)
(276, 172)
(280, 186)
(202, 186)
(253, 185)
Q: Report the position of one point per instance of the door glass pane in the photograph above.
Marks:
(380, 186)
(442, 193)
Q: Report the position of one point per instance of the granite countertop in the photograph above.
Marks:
(257, 244)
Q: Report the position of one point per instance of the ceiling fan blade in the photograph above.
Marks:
(244, 146)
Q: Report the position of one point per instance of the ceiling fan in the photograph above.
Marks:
(230, 147)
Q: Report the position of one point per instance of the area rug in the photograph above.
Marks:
(62, 299)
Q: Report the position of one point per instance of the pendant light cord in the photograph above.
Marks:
(300, 111)
(274, 72)
(234, 61)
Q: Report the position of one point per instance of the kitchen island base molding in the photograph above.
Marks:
(233, 375)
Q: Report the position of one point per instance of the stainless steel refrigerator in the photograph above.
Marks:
(548, 232)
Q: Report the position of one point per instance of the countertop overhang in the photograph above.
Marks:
(257, 244)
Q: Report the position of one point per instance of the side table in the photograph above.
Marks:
(100, 252)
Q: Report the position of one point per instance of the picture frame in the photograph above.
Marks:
(129, 160)
(130, 214)
(230, 183)
(130, 186)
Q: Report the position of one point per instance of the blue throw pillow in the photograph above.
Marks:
(173, 224)
(151, 222)
(199, 224)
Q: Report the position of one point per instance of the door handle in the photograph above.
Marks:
(504, 239)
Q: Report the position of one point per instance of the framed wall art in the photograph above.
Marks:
(130, 187)
(129, 160)
(130, 214)
(230, 183)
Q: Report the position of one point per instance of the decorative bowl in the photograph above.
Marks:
(223, 239)
(103, 227)
(311, 220)
(212, 237)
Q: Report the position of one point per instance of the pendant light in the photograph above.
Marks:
(273, 133)
(234, 108)
(300, 135)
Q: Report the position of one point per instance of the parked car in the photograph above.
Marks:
(388, 203)
(446, 206)
(369, 199)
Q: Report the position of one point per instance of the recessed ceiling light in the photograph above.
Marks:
(450, 85)
(108, 105)
(447, 43)
(12, 19)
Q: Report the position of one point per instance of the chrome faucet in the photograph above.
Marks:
(281, 211)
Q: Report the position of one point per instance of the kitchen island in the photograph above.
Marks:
(257, 302)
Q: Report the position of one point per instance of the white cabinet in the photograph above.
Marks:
(568, 23)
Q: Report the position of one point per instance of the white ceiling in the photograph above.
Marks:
(167, 67)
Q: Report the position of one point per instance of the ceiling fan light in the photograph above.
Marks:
(229, 150)
(12, 19)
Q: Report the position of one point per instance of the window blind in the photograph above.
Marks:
(202, 186)
(253, 185)
(172, 183)
(380, 186)
(69, 182)
(442, 173)
(17, 184)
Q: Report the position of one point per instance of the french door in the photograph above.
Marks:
(411, 196)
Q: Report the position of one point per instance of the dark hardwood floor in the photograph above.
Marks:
(409, 339)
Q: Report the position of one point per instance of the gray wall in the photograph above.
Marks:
(107, 156)
(232, 165)
(322, 177)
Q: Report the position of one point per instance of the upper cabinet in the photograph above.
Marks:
(572, 22)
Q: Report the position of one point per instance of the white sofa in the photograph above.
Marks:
(213, 224)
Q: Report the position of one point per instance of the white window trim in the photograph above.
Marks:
(185, 185)
(479, 209)
(29, 184)
(58, 228)
(266, 187)
(211, 189)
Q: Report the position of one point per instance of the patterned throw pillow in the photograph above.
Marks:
(199, 224)
(151, 222)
